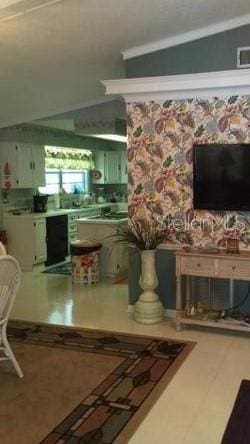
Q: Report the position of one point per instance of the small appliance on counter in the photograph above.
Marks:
(100, 197)
(57, 202)
(40, 203)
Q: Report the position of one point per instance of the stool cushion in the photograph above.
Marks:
(84, 246)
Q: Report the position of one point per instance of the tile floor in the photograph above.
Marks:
(196, 404)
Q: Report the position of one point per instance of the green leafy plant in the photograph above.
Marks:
(143, 234)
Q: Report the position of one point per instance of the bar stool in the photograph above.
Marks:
(85, 261)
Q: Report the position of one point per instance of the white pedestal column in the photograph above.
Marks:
(148, 308)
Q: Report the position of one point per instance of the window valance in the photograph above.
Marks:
(68, 158)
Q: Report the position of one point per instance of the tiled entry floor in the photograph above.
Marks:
(196, 404)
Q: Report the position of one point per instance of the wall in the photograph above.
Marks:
(214, 53)
(160, 167)
(160, 170)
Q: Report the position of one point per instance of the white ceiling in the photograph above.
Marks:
(53, 57)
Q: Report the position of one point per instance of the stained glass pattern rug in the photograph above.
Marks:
(95, 386)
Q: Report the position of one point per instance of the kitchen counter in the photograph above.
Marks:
(113, 255)
(48, 213)
(103, 221)
(61, 211)
(27, 232)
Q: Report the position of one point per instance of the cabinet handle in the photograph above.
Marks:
(31, 165)
(198, 265)
(234, 267)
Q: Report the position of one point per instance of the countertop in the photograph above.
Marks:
(63, 211)
(103, 221)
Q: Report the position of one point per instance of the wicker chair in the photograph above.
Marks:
(10, 275)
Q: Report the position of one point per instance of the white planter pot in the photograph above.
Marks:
(148, 308)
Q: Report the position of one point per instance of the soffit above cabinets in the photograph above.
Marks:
(92, 127)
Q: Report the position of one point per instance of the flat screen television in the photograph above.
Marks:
(221, 177)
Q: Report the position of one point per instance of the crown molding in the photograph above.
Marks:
(186, 37)
(210, 84)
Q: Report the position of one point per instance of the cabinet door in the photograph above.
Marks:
(100, 166)
(112, 167)
(24, 166)
(38, 166)
(8, 164)
(124, 170)
(40, 240)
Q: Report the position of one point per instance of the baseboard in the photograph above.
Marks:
(130, 308)
(170, 313)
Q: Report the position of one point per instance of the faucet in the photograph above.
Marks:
(105, 211)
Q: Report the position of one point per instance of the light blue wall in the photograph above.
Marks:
(214, 53)
(165, 267)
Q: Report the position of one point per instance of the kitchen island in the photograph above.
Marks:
(113, 255)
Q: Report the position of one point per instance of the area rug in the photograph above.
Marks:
(64, 268)
(238, 427)
(82, 386)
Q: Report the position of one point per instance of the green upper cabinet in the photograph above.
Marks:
(124, 167)
(22, 165)
(112, 166)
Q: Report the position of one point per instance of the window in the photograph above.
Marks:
(69, 180)
(52, 179)
(75, 180)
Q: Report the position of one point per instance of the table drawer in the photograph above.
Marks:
(233, 269)
(197, 266)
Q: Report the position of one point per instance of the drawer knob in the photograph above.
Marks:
(233, 267)
(198, 265)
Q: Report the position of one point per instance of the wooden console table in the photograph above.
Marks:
(212, 265)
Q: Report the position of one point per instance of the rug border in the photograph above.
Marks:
(114, 332)
(131, 427)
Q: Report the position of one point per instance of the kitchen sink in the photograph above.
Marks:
(82, 207)
(112, 216)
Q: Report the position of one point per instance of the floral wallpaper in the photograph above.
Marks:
(160, 165)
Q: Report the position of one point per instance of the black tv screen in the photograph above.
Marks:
(221, 178)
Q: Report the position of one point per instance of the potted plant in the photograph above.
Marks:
(146, 236)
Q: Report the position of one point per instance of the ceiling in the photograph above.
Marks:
(55, 52)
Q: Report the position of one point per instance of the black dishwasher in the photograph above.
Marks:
(57, 239)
